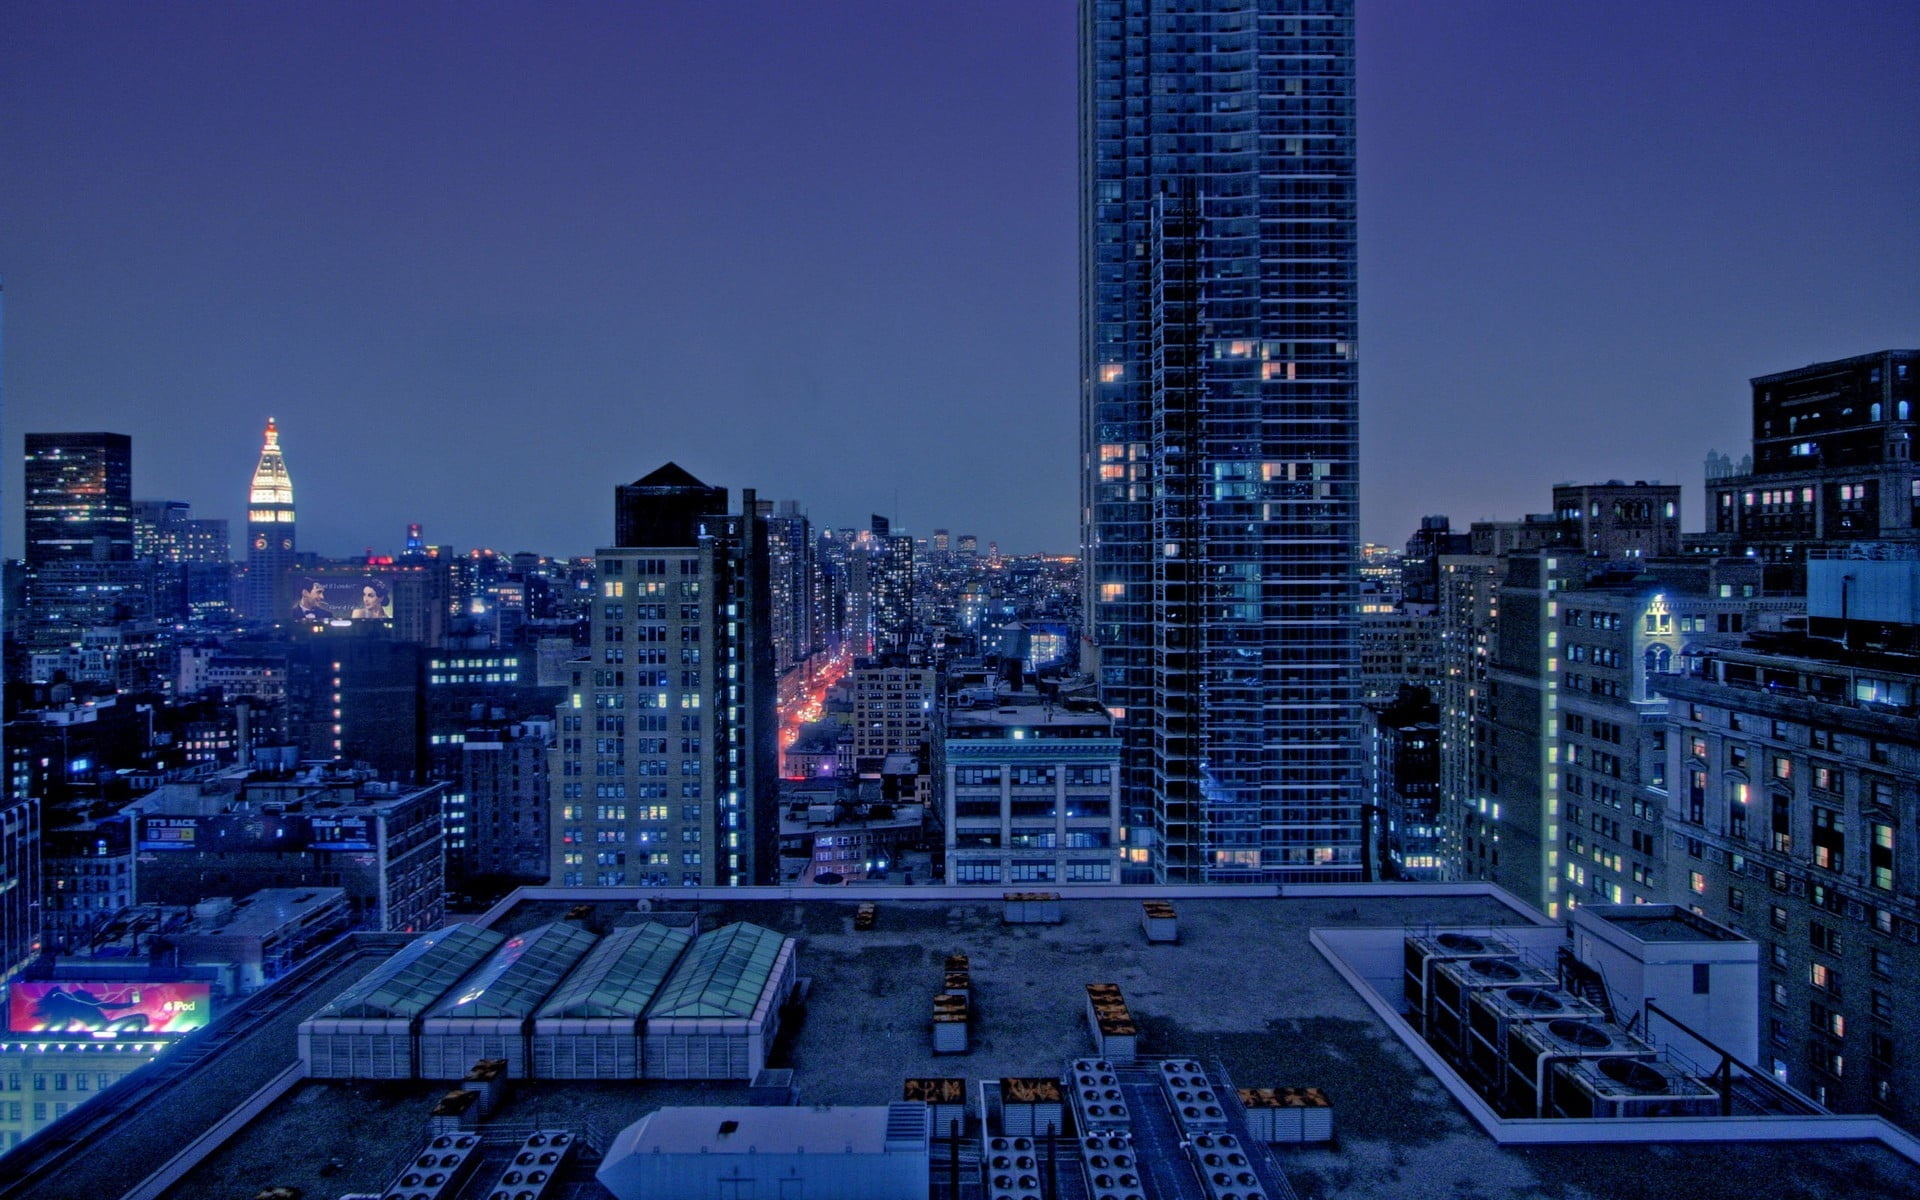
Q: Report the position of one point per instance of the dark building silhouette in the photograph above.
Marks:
(1404, 785)
(1832, 460)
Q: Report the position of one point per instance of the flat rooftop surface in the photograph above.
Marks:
(1029, 713)
(265, 911)
(1243, 987)
(859, 1129)
(1654, 928)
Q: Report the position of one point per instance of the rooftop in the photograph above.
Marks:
(1028, 710)
(1665, 923)
(620, 976)
(519, 975)
(404, 985)
(846, 1129)
(311, 792)
(265, 911)
(1244, 987)
(722, 976)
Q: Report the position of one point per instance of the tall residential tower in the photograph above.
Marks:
(1218, 428)
(667, 768)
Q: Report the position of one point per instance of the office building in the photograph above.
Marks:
(1420, 564)
(1032, 793)
(241, 830)
(790, 584)
(1512, 816)
(81, 571)
(20, 912)
(167, 531)
(890, 576)
(360, 698)
(667, 763)
(1219, 430)
(893, 710)
(498, 827)
(89, 870)
(1569, 771)
(1617, 641)
(1618, 522)
(78, 498)
(1398, 646)
(1469, 600)
(191, 557)
(271, 553)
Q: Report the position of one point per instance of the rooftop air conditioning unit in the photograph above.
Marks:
(1111, 1168)
(1533, 1049)
(1618, 1086)
(1424, 952)
(1454, 981)
(1492, 1013)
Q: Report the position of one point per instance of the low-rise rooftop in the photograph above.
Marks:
(264, 912)
(1024, 710)
(1243, 988)
(1664, 923)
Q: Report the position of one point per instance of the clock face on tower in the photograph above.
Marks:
(286, 543)
(260, 541)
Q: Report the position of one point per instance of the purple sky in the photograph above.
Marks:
(484, 262)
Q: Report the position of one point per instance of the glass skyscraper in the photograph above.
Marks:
(1219, 494)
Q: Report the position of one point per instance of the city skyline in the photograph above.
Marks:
(552, 251)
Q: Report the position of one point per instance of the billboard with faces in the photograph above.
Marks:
(318, 599)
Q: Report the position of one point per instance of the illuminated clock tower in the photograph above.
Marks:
(270, 540)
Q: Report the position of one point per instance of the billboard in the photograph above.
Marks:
(342, 833)
(104, 1009)
(169, 833)
(328, 597)
(256, 832)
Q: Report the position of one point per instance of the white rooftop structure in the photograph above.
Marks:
(851, 1152)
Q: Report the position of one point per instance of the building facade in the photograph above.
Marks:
(893, 710)
(1403, 785)
(666, 768)
(1032, 794)
(1620, 522)
(78, 498)
(191, 557)
(242, 831)
(1795, 817)
(1219, 431)
(790, 585)
(89, 870)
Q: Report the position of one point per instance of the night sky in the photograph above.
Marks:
(485, 262)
